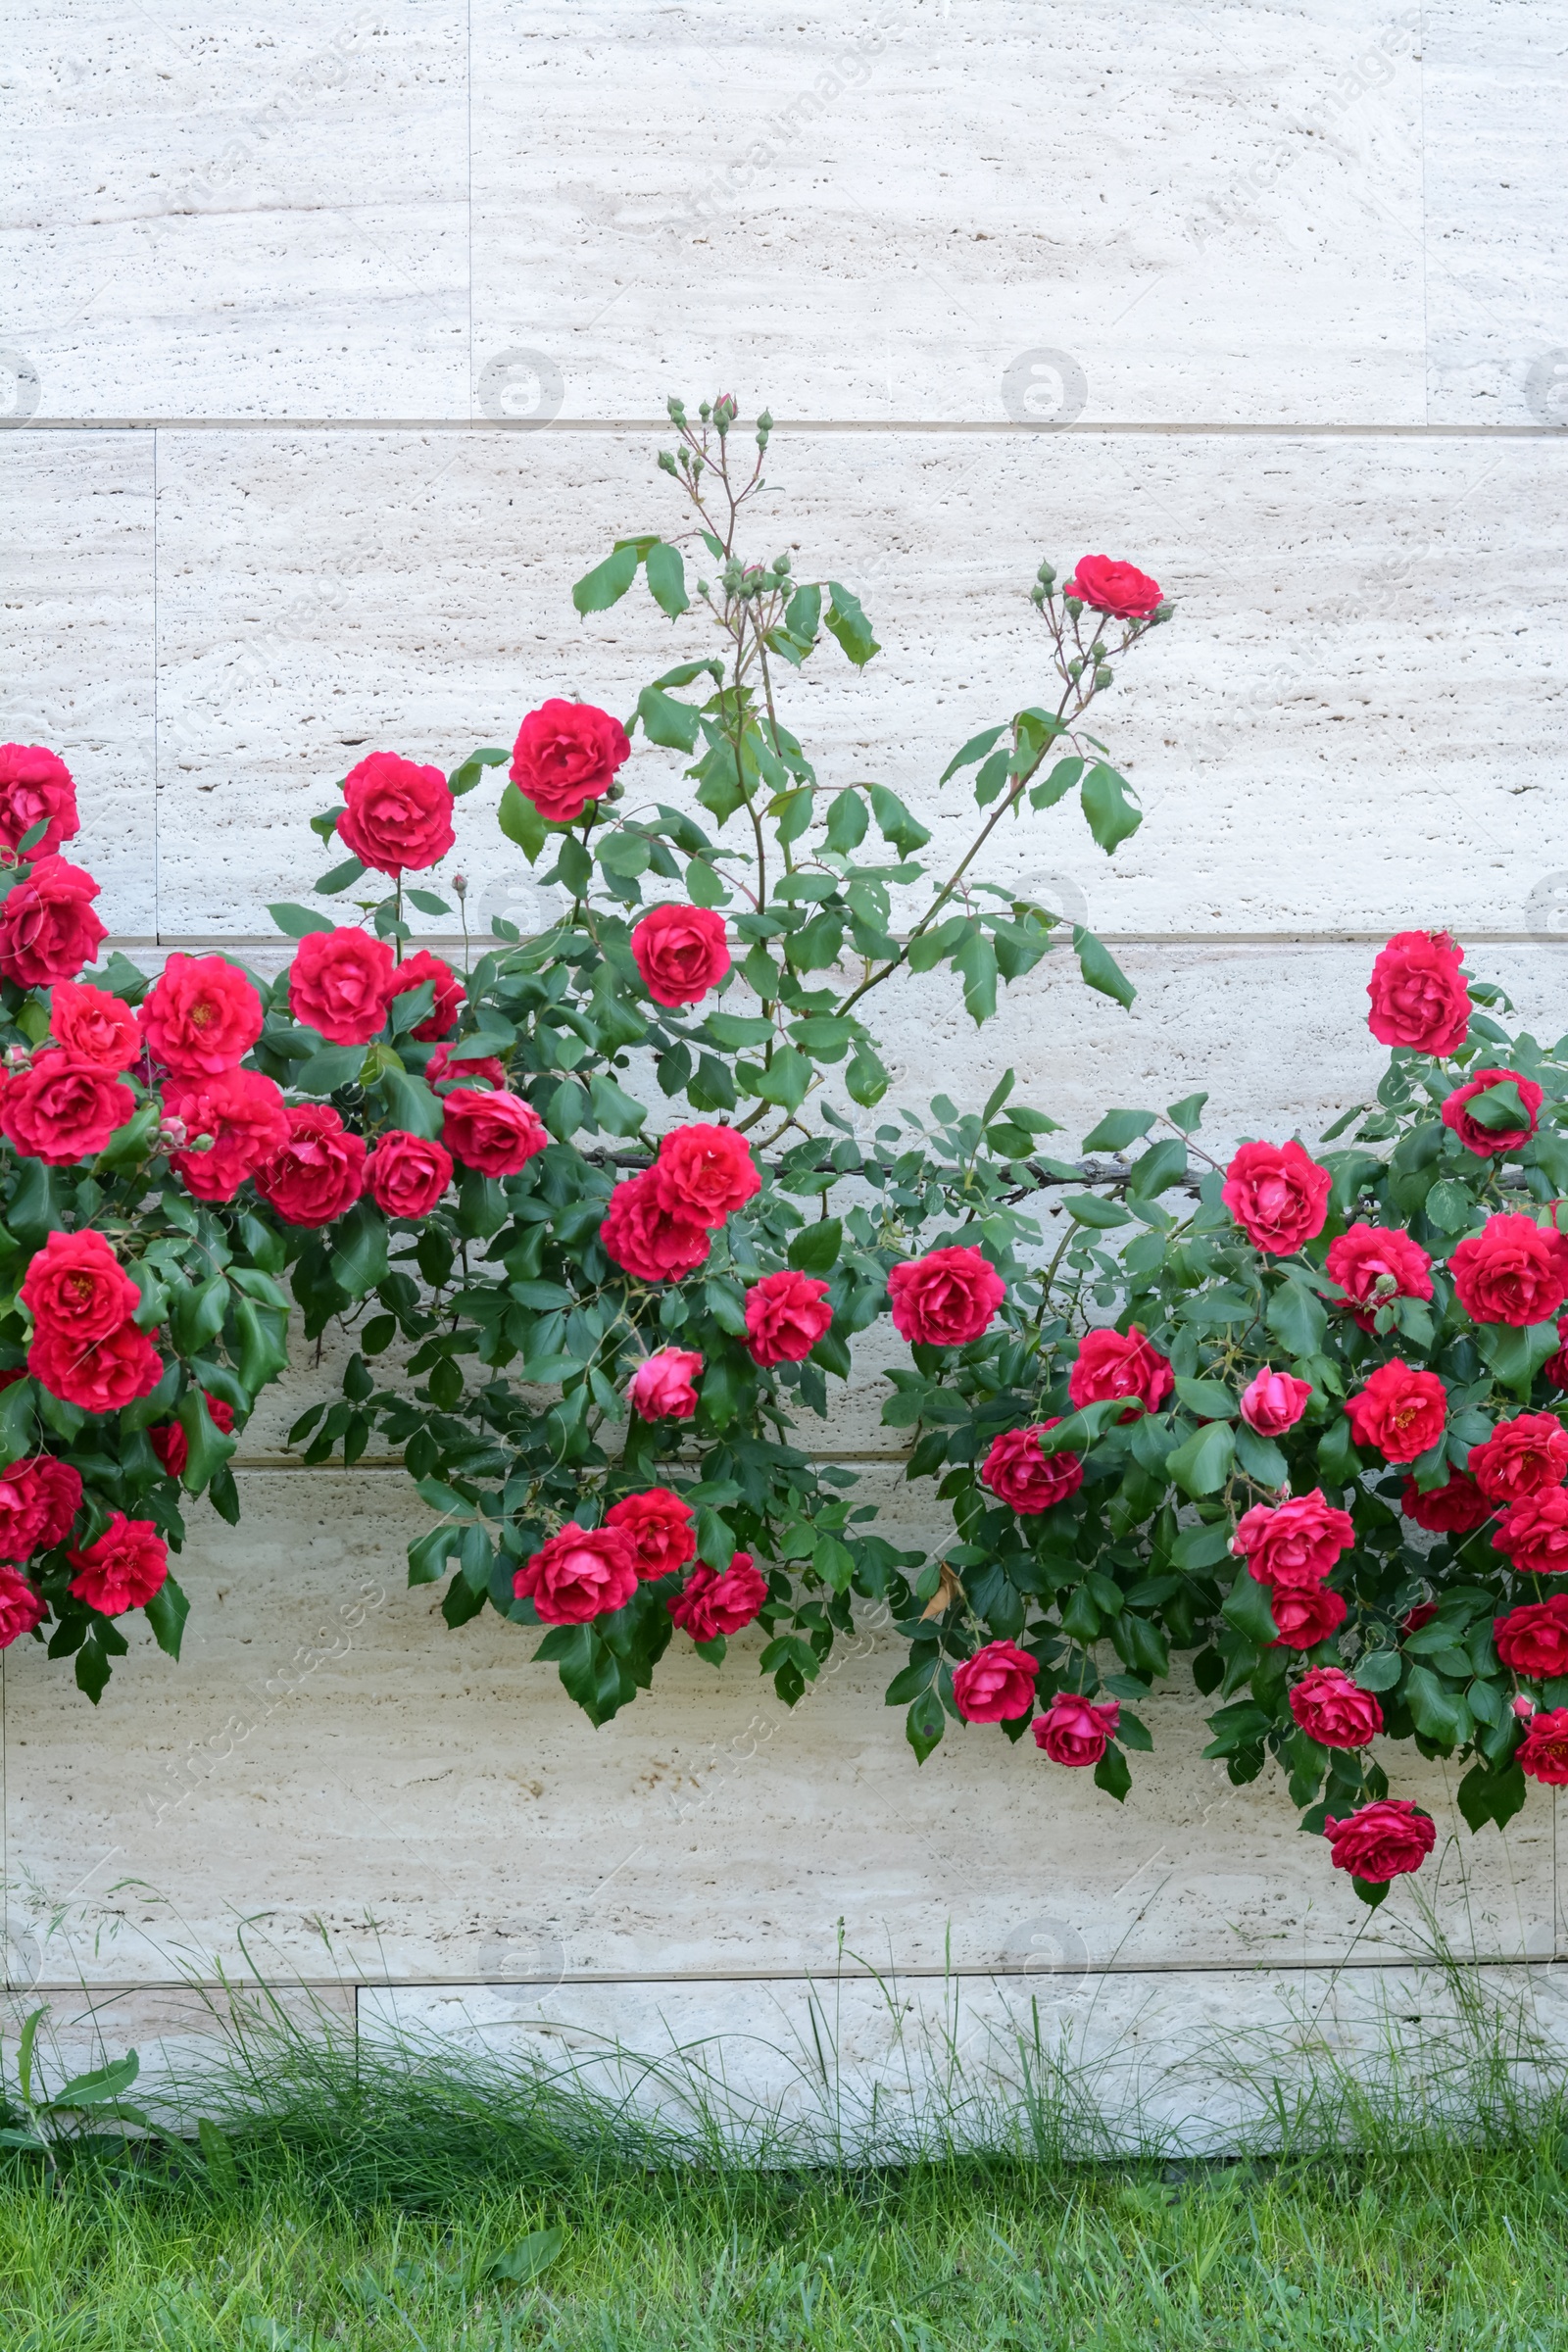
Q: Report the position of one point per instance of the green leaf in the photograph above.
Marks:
(101, 2086)
(464, 779)
(1246, 1606)
(359, 1262)
(614, 1109)
(1086, 1208)
(1209, 1400)
(666, 578)
(1112, 818)
(1491, 1795)
(785, 1079)
(847, 822)
(333, 1066)
(1500, 1110)
(411, 1104)
(1117, 1129)
(1376, 1669)
(1111, 1774)
(675, 726)
(520, 822)
(1202, 1464)
(1056, 786)
(166, 1613)
(1100, 968)
(1296, 1318)
(1515, 1356)
(609, 581)
(17, 1420)
(1260, 1458)
(802, 615)
(924, 1724)
(975, 749)
(1188, 1113)
(207, 1448)
(848, 623)
(1451, 1205)
(895, 825)
(339, 879)
(1163, 1165)
(814, 1249)
(1437, 1712)
(298, 921)
(976, 959)
(528, 2259)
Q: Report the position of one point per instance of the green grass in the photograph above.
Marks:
(1432, 2251)
(375, 2195)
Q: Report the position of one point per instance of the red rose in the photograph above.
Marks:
(494, 1134)
(681, 953)
(47, 928)
(1076, 1731)
(169, 1443)
(480, 1069)
(1510, 1272)
(1295, 1542)
(1026, 1476)
(786, 1314)
(1304, 1615)
(1274, 1401)
(646, 1239)
(1490, 1140)
(662, 1386)
(565, 756)
(318, 1173)
(706, 1173)
(101, 1378)
(91, 1025)
(1543, 1753)
(123, 1569)
(1381, 1841)
(1115, 1364)
(201, 1016)
(1374, 1263)
(581, 1573)
(76, 1287)
(1418, 994)
(1277, 1194)
(710, 1604)
(57, 1495)
(1533, 1641)
(1333, 1710)
(1401, 1411)
(1555, 1367)
(661, 1527)
(1422, 1614)
(21, 1607)
(1119, 589)
(997, 1684)
(36, 788)
(245, 1115)
(406, 1175)
(1520, 1456)
(446, 1004)
(399, 815)
(1535, 1534)
(1454, 1508)
(63, 1111)
(339, 982)
(945, 1299)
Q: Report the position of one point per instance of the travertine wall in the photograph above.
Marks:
(330, 347)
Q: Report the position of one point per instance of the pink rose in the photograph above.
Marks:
(565, 756)
(339, 982)
(399, 815)
(1511, 1272)
(681, 953)
(48, 929)
(710, 1604)
(123, 1569)
(1304, 1614)
(77, 1288)
(647, 1239)
(1295, 1542)
(1543, 1754)
(1119, 589)
(39, 1498)
(1418, 994)
(1381, 1841)
(706, 1173)
(580, 1574)
(201, 1016)
(1026, 1476)
(786, 1314)
(496, 1134)
(480, 1069)
(1455, 1509)
(1520, 1458)
(62, 1110)
(21, 1607)
(662, 1389)
(1535, 1534)
(1274, 1401)
(318, 1173)
(101, 1377)
(1533, 1641)
(1076, 1731)
(946, 1299)
(1333, 1710)
(997, 1684)
(412, 973)
(35, 789)
(1401, 1411)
